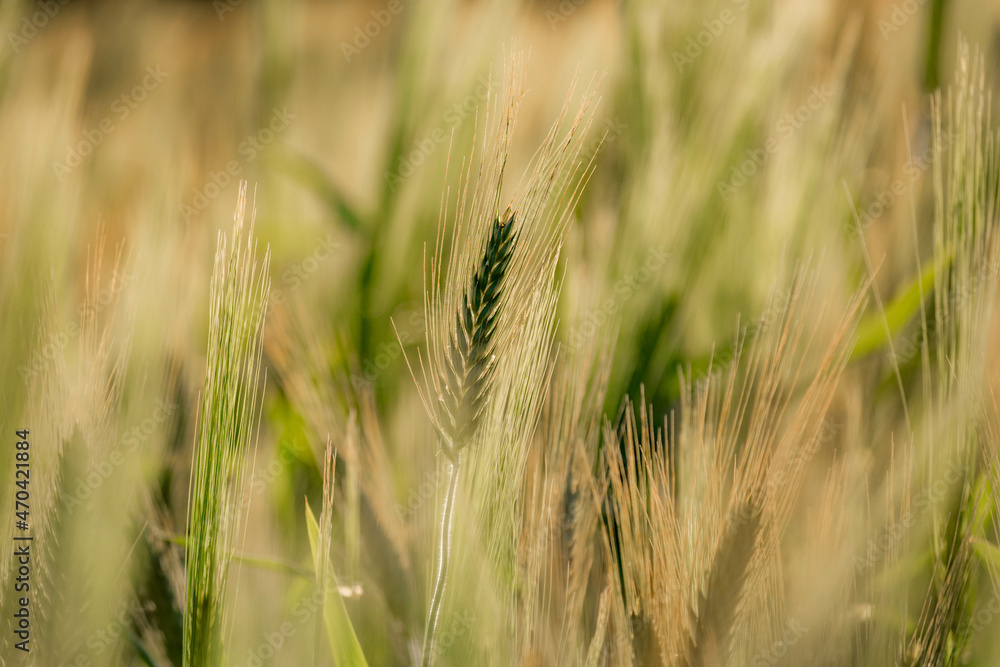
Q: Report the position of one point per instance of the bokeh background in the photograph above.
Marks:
(725, 136)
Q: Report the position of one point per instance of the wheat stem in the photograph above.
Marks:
(444, 551)
(467, 377)
(230, 413)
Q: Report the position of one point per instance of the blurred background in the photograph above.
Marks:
(725, 136)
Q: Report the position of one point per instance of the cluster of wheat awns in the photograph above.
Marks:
(599, 542)
(489, 321)
(684, 530)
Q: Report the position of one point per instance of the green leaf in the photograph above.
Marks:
(312, 176)
(312, 527)
(344, 642)
(871, 330)
(263, 562)
(987, 552)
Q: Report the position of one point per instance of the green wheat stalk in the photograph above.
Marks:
(490, 326)
(229, 413)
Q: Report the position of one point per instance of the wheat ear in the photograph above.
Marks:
(467, 374)
(230, 414)
(720, 596)
(467, 368)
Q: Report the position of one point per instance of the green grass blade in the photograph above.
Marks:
(988, 553)
(311, 175)
(312, 527)
(339, 630)
(871, 330)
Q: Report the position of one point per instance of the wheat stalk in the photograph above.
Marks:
(229, 412)
(489, 328)
(467, 379)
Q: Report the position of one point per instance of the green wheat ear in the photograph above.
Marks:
(468, 367)
(467, 371)
(228, 424)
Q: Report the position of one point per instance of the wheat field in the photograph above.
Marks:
(564, 332)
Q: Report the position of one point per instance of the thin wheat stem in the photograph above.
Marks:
(444, 551)
(467, 377)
